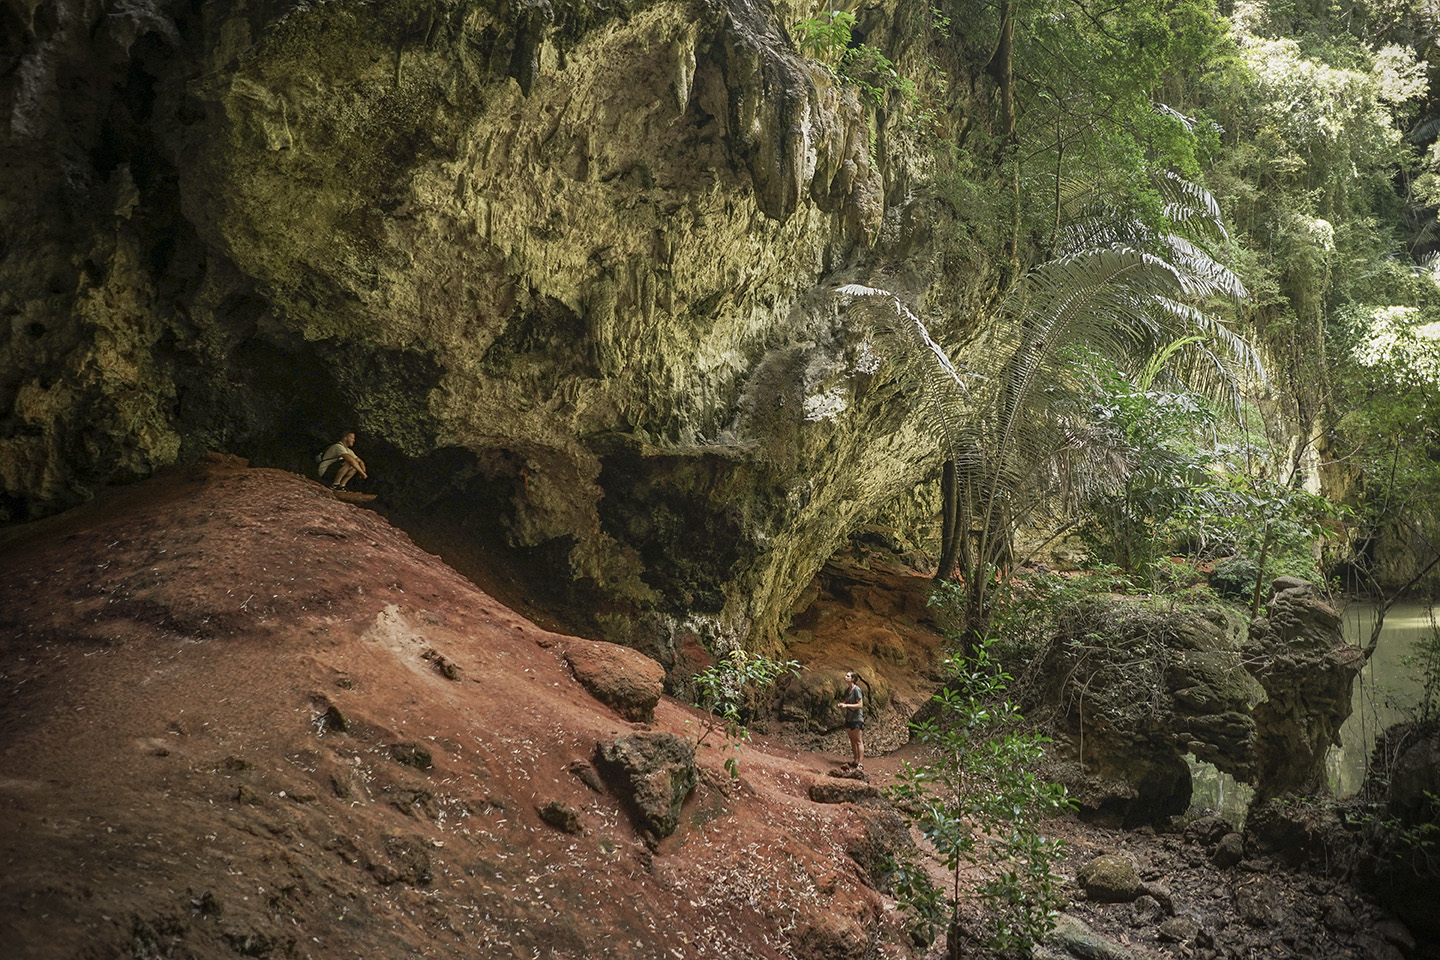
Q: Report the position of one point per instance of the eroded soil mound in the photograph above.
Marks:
(241, 717)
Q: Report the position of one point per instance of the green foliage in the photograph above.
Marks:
(827, 38)
(1014, 435)
(729, 690)
(1312, 151)
(1271, 524)
(1099, 98)
(1156, 466)
(979, 802)
(1030, 605)
(1390, 382)
(1183, 483)
(910, 884)
(1424, 659)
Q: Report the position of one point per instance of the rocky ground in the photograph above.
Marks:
(1202, 891)
(240, 717)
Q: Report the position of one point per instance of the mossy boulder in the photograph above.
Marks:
(1136, 686)
(1110, 878)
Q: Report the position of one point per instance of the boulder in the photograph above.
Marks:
(1135, 689)
(561, 816)
(1307, 668)
(1298, 831)
(1146, 909)
(875, 839)
(1397, 873)
(842, 790)
(1073, 938)
(1178, 930)
(1415, 773)
(1110, 879)
(1229, 851)
(621, 678)
(1156, 685)
(1208, 830)
(654, 772)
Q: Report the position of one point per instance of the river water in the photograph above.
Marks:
(1387, 691)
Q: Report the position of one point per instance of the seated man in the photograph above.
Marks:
(349, 463)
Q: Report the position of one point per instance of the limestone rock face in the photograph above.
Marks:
(565, 267)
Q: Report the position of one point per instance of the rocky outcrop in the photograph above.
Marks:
(1397, 863)
(565, 267)
(1414, 774)
(1137, 688)
(1308, 670)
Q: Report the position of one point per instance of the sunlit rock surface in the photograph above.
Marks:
(565, 267)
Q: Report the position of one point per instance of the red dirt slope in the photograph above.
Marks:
(224, 731)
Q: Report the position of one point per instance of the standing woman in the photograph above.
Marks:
(854, 704)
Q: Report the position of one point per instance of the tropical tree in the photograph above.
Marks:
(1392, 430)
(1013, 439)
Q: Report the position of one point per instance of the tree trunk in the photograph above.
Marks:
(949, 523)
(1260, 573)
(954, 942)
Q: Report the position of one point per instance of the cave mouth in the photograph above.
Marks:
(462, 505)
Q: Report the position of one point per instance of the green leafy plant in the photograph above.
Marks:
(911, 885)
(729, 690)
(827, 37)
(1028, 607)
(1009, 436)
(1271, 526)
(980, 803)
(1155, 465)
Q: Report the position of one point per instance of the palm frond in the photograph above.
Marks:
(1190, 207)
(1123, 291)
(911, 327)
(1205, 276)
(1426, 131)
(926, 361)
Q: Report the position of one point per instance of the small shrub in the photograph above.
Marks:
(980, 802)
(729, 690)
